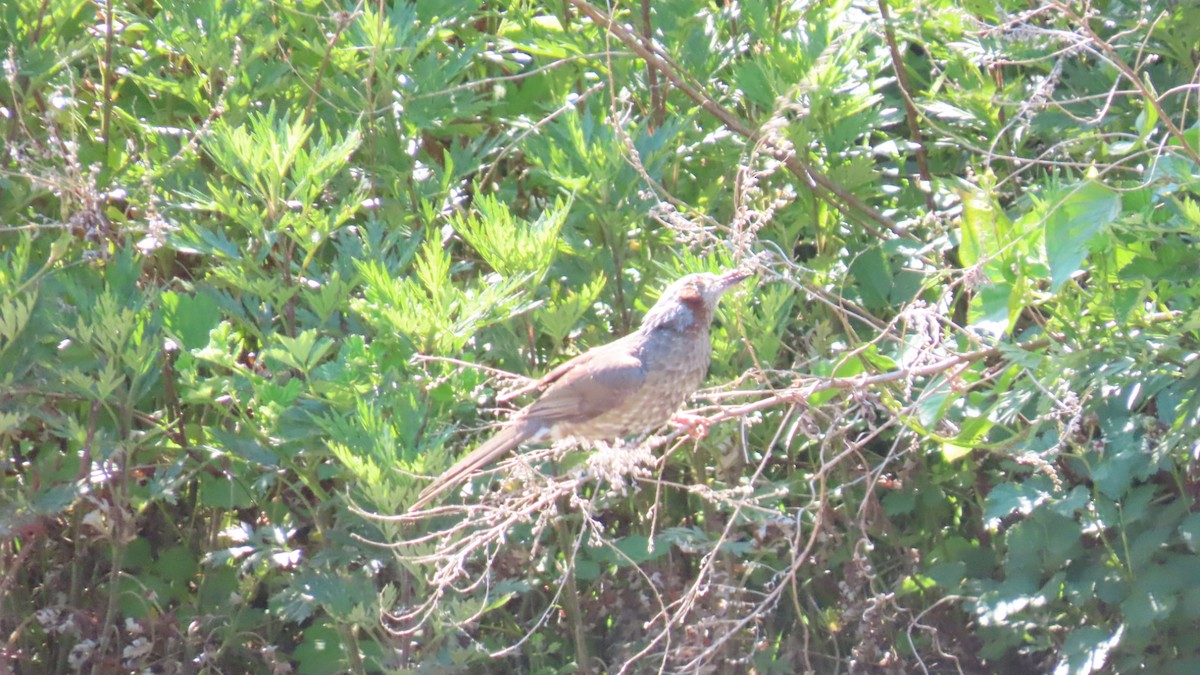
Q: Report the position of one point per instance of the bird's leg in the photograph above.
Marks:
(692, 424)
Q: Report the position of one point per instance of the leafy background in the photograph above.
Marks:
(252, 255)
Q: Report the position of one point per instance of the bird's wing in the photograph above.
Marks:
(590, 384)
(580, 389)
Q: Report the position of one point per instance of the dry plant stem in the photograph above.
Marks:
(792, 394)
(683, 607)
(544, 619)
(464, 553)
(772, 597)
(791, 573)
(658, 111)
(344, 20)
(596, 530)
(1044, 158)
(15, 563)
(476, 366)
(1133, 76)
(845, 200)
(568, 548)
(911, 116)
(933, 631)
(789, 577)
(108, 633)
(75, 599)
(106, 120)
(476, 528)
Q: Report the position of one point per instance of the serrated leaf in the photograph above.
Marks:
(1073, 222)
(1086, 650)
(190, 318)
(1008, 498)
(302, 352)
(1189, 529)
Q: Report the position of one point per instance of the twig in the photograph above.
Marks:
(911, 116)
(845, 200)
(421, 358)
(1133, 76)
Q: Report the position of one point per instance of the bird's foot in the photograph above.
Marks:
(695, 426)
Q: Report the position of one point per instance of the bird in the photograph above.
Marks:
(632, 385)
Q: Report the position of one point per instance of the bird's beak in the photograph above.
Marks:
(732, 278)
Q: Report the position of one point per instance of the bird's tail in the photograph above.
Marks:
(496, 447)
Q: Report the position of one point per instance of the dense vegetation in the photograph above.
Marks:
(265, 266)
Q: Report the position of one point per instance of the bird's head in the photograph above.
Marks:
(688, 303)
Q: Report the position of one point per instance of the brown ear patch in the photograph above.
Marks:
(691, 296)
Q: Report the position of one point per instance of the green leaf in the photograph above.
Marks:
(1008, 498)
(1074, 220)
(1147, 118)
(311, 590)
(217, 586)
(224, 493)
(873, 272)
(138, 555)
(302, 352)
(586, 569)
(897, 503)
(751, 77)
(636, 550)
(1147, 605)
(1146, 544)
(1041, 545)
(223, 348)
(949, 575)
(177, 565)
(991, 309)
(320, 651)
(1189, 529)
(562, 315)
(987, 236)
(934, 399)
(247, 449)
(952, 452)
(1086, 650)
(190, 318)
(510, 245)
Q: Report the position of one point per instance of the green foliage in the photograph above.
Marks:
(250, 251)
